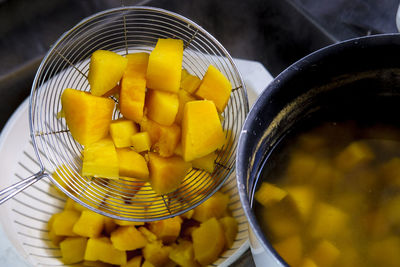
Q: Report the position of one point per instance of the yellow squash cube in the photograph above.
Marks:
(101, 249)
(162, 107)
(230, 227)
(141, 142)
(88, 117)
(268, 194)
(100, 160)
(303, 199)
(189, 82)
(327, 221)
(206, 163)
(150, 236)
(201, 130)
(307, 262)
(89, 224)
(183, 97)
(325, 253)
(214, 206)
(166, 174)
(167, 230)
(134, 262)
(127, 238)
(121, 131)
(156, 253)
(165, 65)
(73, 249)
(216, 87)
(183, 254)
(208, 241)
(290, 249)
(385, 252)
(105, 70)
(132, 164)
(64, 222)
(354, 155)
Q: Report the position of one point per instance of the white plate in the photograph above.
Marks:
(23, 235)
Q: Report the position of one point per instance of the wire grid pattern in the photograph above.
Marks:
(128, 30)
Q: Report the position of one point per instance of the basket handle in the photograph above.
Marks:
(14, 189)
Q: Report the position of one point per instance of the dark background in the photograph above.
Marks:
(273, 32)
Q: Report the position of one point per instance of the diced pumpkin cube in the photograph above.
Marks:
(189, 82)
(100, 160)
(303, 198)
(385, 252)
(134, 262)
(132, 98)
(327, 221)
(88, 117)
(230, 227)
(201, 130)
(101, 249)
(141, 142)
(307, 262)
(290, 249)
(183, 254)
(167, 230)
(137, 64)
(166, 174)
(391, 171)
(109, 225)
(162, 107)
(325, 253)
(268, 194)
(156, 253)
(128, 223)
(355, 154)
(121, 131)
(183, 97)
(64, 222)
(214, 206)
(206, 163)
(127, 238)
(165, 64)
(216, 87)
(208, 241)
(105, 70)
(73, 249)
(55, 239)
(301, 167)
(147, 264)
(150, 236)
(89, 224)
(132, 164)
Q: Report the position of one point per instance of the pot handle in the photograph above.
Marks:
(14, 189)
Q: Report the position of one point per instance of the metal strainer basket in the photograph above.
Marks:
(125, 30)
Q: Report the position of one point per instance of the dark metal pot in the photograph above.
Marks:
(359, 76)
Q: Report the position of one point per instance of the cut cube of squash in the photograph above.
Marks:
(268, 194)
(206, 163)
(165, 65)
(141, 142)
(385, 252)
(162, 107)
(307, 262)
(105, 70)
(89, 224)
(150, 236)
(100, 160)
(290, 249)
(230, 227)
(214, 206)
(189, 82)
(303, 198)
(156, 253)
(132, 164)
(134, 262)
(73, 249)
(183, 254)
(166, 174)
(183, 97)
(201, 130)
(216, 87)
(167, 230)
(101, 249)
(354, 155)
(327, 221)
(121, 131)
(88, 117)
(208, 241)
(64, 222)
(127, 238)
(325, 253)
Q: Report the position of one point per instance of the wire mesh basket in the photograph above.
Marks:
(126, 30)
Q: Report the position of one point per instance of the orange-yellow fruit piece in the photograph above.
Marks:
(354, 155)
(183, 97)
(307, 262)
(101, 249)
(183, 254)
(121, 131)
(208, 241)
(325, 253)
(269, 194)
(162, 107)
(73, 249)
(166, 174)
(134, 262)
(89, 224)
(156, 253)
(303, 198)
(100, 160)
(206, 163)
(127, 238)
(385, 252)
(167, 230)
(88, 117)
(327, 221)
(105, 70)
(64, 222)
(230, 227)
(165, 65)
(290, 249)
(141, 142)
(189, 82)
(201, 129)
(216, 87)
(132, 164)
(215, 206)
(55, 239)
(133, 87)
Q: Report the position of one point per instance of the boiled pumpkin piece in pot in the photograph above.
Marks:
(127, 238)
(100, 160)
(162, 107)
(189, 82)
(134, 262)
(89, 224)
(290, 249)
(167, 230)
(165, 65)
(140, 142)
(230, 226)
(206, 163)
(88, 117)
(64, 222)
(132, 164)
(101, 249)
(105, 70)
(121, 131)
(214, 207)
(156, 253)
(73, 249)
(182, 254)
(183, 97)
